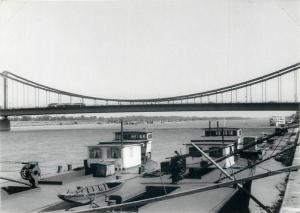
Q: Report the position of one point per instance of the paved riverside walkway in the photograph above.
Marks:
(291, 201)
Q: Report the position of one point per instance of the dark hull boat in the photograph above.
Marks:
(86, 195)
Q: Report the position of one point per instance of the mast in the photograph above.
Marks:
(121, 145)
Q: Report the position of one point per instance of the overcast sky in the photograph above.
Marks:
(146, 49)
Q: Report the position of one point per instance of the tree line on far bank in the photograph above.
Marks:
(134, 119)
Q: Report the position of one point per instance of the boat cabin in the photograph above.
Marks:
(142, 137)
(132, 150)
(253, 152)
(226, 135)
(248, 141)
(216, 142)
(213, 149)
(225, 131)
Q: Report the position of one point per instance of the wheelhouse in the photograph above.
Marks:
(133, 149)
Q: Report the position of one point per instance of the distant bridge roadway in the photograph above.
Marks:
(269, 106)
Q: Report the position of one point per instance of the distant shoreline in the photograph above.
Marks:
(75, 122)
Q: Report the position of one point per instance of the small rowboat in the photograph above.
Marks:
(86, 195)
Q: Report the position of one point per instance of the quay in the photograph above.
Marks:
(291, 200)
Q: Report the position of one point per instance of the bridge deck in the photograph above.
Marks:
(268, 106)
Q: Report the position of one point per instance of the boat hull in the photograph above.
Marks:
(80, 197)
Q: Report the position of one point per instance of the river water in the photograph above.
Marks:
(53, 145)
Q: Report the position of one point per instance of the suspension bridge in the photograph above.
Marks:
(274, 91)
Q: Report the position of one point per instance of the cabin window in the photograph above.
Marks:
(142, 136)
(133, 137)
(193, 152)
(118, 136)
(113, 153)
(149, 136)
(95, 153)
(215, 152)
(126, 137)
(210, 133)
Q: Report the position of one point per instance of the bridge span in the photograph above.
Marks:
(276, 91)
(271, 106)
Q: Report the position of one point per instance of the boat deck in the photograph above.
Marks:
(45, 197)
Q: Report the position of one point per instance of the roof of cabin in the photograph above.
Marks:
(113, 144)
(224, 128)
(134, 132)
(217, 138)
(211, 143)
(124, 141)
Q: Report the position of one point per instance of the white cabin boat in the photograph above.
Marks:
(133, 149)
(217, 142)
(277, 121)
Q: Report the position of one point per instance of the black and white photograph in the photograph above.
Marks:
(150, 106)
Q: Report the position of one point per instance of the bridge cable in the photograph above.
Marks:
(206, 93)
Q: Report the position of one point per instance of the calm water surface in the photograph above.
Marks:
(66, 144)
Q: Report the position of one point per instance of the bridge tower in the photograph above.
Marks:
(4, 121)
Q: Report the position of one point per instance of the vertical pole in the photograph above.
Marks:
(46, 97)
(12, 93)
(17, 94)
(5, 90)
(262, 92)
(296, 85)
(34, 97)
(250, 94)
(246, 94)
(231, 95)
(38, 97)
(121, 145)
(27, 96)
(24, 96)
(280, 92)
(278, 87)
(265, 91)
(216, 97)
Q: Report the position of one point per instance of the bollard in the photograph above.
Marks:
(69, 167)
(59, 169)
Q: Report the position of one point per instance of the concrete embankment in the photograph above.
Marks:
(291, 200)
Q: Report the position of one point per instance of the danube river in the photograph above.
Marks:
(53, 145)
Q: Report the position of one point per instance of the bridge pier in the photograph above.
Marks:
(4, 124)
